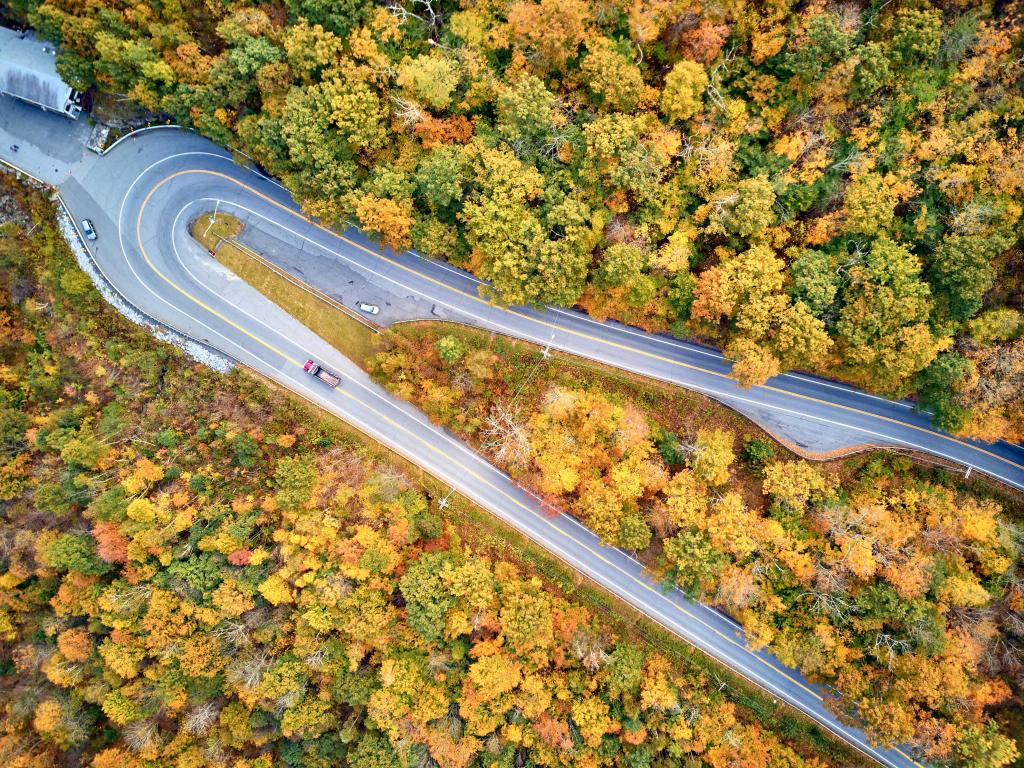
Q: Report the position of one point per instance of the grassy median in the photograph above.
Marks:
(356, 341)
(487, 534)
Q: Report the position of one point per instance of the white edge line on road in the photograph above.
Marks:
(831, 725)
(415, 414)
(696, 349)
(706, 390)
(466, 452)
(671, 623)
(717, 394)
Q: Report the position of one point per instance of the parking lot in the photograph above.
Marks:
(48, 145)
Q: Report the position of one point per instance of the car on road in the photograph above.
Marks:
(370, 309)
(88, 229)
(330, 378)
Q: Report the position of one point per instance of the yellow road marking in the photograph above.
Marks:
(454, 461)
(186, 294)
(580, 334)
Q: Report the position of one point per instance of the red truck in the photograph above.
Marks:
(314, 368)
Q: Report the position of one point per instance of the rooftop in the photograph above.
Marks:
(28, 71)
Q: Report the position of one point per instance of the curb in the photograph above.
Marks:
(803, 453)
(137, 131)
(153, 322)
(300, 284)
(185, 129)
(23, 172)
(156, 324)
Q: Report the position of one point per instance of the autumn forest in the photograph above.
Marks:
(828, 186)
(197, 572)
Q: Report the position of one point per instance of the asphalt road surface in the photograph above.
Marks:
(160, 171)
(141, 197)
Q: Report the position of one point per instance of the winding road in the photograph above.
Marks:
(141, 197)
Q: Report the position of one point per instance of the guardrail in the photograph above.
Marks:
(132, 134)
(149, 319)
(186, 129)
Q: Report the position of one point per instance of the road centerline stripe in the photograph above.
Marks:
(555, 327)
(456, 462)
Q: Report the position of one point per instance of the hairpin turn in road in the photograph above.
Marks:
(142, 196)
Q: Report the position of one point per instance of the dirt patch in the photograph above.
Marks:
(12, 211)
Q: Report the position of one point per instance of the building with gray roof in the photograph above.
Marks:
(28, 71)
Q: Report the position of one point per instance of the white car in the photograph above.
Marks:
(370, 309)
(88, 230)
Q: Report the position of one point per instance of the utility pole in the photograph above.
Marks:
(546, 352)
(442, 503)
(213, 219)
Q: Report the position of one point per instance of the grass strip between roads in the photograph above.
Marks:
(354, 339)
(487, 533)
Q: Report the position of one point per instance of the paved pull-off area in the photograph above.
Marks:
(142, 196)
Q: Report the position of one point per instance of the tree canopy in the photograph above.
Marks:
(199, 572)
(870, 152)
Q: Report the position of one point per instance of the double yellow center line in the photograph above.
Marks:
(458, 463)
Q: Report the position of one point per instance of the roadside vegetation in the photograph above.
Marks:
(901, 586)
(198, 570)
(827, 186)
(330, 320)
(830, 186)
